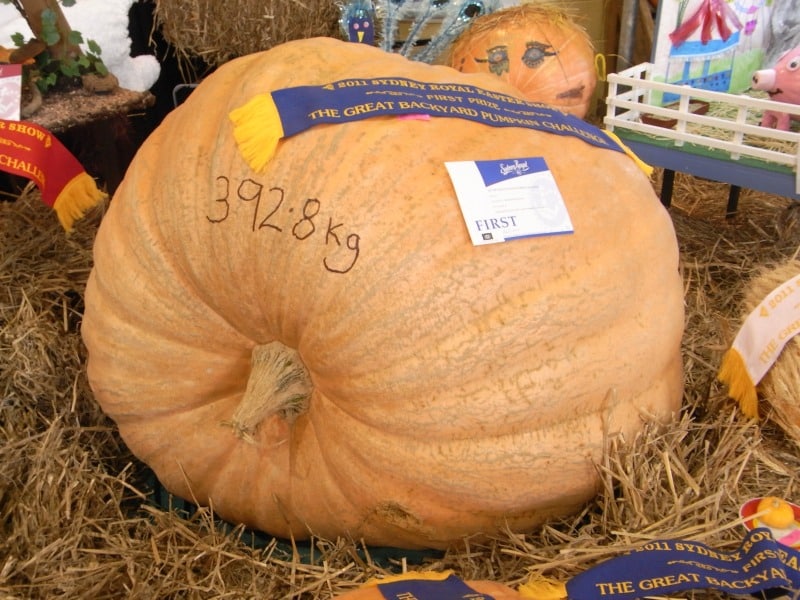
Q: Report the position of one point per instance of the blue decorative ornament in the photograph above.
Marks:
(358, 21)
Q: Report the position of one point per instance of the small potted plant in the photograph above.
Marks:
(58, 61)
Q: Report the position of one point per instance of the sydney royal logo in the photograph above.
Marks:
(518, 167)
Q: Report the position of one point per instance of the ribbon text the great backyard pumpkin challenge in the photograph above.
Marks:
(268, 117)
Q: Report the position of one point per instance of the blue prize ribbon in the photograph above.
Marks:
(355, 99)
(450, 588)
(760, 564)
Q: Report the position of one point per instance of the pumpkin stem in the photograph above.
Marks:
(279, 384)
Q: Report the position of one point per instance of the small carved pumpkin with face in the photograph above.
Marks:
(538, 48)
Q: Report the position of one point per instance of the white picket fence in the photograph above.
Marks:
(631, 100)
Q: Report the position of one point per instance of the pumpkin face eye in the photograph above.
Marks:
(497, 58)
(497, 55)
(535, 53)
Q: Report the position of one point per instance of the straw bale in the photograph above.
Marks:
(780, 388)
(219, 31)
(78, 519)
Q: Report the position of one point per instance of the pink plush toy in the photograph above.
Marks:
(782, 83)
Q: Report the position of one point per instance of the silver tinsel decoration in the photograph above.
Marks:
(452, 16)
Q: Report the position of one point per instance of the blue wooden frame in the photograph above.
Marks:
(736, 173)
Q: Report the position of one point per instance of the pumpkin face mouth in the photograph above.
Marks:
(575, 93)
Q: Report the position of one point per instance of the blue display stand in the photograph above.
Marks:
(732, 172)
(729, 146)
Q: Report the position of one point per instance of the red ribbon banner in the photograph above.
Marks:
(31, 151)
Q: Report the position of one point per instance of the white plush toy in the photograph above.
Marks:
(105, 22)
(784, 30)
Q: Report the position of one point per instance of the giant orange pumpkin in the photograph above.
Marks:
(318, 348)
(538, 47)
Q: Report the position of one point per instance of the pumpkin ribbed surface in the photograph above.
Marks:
(426, 388)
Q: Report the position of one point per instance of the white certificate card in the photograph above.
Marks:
(502, 200)
(10, 91)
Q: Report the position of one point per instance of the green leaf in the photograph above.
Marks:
(75, 38)
(68, 3)
(18, 39)
(44, 83)
(94, 47)
(49, 17)
(49, 20)
(50, 34)
(101, 69)
(51, 38)
(70, 69)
